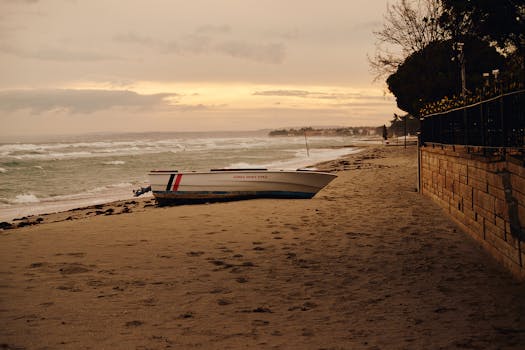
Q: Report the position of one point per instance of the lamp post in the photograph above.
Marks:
(461, 57)
(486, 77)
(495, 73)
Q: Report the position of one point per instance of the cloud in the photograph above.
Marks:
(289, 93)
(213, 29)
(317, 95)
(133, 38)
(265, 53)
(22, 1)
(210, 40)
(78, 101)
(56, 54)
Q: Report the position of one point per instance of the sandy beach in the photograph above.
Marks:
(368, 263)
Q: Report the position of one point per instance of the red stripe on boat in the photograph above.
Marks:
(177, 182)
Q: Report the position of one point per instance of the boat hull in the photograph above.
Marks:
(170, 187)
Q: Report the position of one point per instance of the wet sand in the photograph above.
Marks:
(366, 264)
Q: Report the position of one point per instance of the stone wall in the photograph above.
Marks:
(484, 194)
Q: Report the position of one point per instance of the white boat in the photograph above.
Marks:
(172, 187)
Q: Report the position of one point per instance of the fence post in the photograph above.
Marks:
(465, 126)
(504, 130)
(482, 126)
(497, 126)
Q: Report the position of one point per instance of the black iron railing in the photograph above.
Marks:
(498, 122)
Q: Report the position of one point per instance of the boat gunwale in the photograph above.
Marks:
(227, 171)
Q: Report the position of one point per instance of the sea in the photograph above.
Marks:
(65, 172)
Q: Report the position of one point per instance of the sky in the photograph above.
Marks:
(81, 66)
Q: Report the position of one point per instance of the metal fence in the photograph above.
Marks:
(498, 122)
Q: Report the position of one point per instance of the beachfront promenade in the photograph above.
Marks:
(368, 263)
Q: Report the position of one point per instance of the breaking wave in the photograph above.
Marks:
(26, 198)
(114, 162)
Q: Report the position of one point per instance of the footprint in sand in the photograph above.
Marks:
(220, 291)
(194, 254)
(37, 265)
(307, 332)
(220, 263)
(262, 310)
(77, 255)
(134, 323)
(69, 269)
(95, 283)
(69, 288)
(149, 302)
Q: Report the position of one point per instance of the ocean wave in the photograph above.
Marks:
(73, 150)
(301, 159)
(26, 198)
(114, 162)
(102, 191)
(110, 187)
(77, 152)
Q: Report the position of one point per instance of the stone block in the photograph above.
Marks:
(493, 229)
(478, 184)
(504, 249)
(500, 223)
(485, 214)
(501, 209)
(495, 180)
(496, 192)
(484, 200)
(521, 214)
(516, 169)
(474, 173)
(518, 183)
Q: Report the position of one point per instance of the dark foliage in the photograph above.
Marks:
(432, 73)
(501, 21)
(404, 125)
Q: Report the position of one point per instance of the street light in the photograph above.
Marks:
(495, 73)
(461, 57)
(486, 78)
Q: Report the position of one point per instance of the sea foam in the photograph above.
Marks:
(114, 162)
(26, 198)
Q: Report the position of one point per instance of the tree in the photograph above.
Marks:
(403, 125)
(409, 27)
(501, 22)
(428, 75)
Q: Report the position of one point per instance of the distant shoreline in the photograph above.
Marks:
(339, 131)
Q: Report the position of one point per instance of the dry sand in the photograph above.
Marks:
(366, 264)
